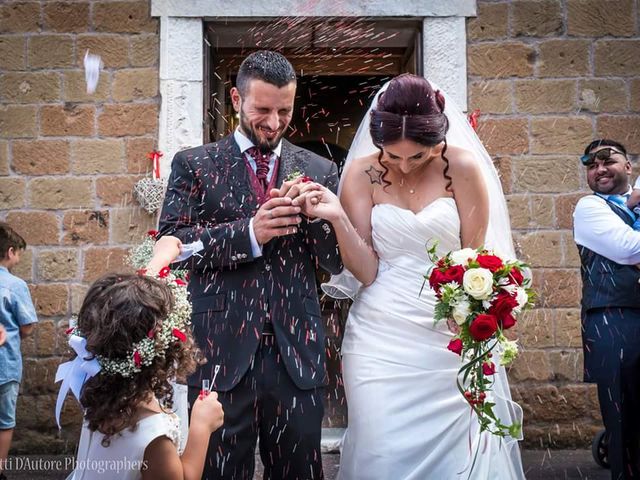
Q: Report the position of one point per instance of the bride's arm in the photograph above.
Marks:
(471, 197)
(351, 218)
(353, 225)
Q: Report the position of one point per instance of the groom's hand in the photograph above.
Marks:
(275, 218)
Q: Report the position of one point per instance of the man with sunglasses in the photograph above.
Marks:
(609, 251)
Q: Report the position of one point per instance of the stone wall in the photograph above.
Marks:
(68, 161)
(549, 76)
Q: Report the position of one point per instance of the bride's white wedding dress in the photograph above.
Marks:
(407, 419)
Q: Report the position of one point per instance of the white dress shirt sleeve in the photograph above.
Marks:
(256, 248)
(598, 228)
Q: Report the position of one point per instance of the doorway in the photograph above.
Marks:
(341, 64)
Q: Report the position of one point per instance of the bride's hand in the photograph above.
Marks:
(317, 201)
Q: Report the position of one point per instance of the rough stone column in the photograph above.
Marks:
(445, 55)
(181, 76)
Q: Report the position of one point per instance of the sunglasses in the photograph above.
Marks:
(604, 154)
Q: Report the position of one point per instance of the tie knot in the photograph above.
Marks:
(262, 162)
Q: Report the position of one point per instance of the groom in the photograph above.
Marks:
(609, 249)
(253, 287)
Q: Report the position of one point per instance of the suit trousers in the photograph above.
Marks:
(612, 359)
(268, 406)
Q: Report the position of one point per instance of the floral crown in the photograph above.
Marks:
(173, 328)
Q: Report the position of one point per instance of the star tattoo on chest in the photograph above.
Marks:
(375, 175)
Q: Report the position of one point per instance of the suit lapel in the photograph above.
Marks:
(292, 159)
(230, 162)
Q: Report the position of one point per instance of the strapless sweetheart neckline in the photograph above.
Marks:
(426, 207)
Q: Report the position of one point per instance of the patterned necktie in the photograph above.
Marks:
(262, 165)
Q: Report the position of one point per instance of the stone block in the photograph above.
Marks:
(85, 227)
(12, 193)
(97, 156)
(58, 193)
(501, 60)
(555, 135)
(34, 87)
(37, 228)
(51, 51)
(128, 119)
(536, 18)
(564, 58)
(41, 157)
(57, 265)
(17, 121)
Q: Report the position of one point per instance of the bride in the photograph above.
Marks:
(408, 181)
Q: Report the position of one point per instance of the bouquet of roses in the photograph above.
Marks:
(480, 295)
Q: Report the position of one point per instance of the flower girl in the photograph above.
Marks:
(132, 338)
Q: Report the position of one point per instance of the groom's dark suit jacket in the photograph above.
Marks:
(209, 197)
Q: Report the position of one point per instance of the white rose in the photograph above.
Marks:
(461, 310)
(461, 257)
(522, 298)
(478, 282)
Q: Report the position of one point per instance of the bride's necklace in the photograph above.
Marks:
(412, 190)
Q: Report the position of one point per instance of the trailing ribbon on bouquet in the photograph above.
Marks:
(154, 156)
(75, 373)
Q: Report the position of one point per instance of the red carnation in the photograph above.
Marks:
(455, 345)
(164, 272)
(153, 233)
(179, 335)
(503, 306)
(483, 327)
(180, 282)
(306, 179)
(515, 276)
(137, 359)
(490, 262)
(488, 368)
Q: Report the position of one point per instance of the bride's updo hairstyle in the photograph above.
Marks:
(409, 109)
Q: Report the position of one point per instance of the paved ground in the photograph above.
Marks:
(538, 464)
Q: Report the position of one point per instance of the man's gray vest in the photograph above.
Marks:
(606, 283)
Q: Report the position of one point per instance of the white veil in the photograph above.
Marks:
(460, 134)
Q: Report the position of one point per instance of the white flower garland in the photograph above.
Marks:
(173, 328)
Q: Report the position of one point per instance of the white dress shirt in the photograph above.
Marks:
(245, 144)
(598, 228)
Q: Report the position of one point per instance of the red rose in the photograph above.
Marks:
(490, 262)
(180, 282)
(153, 233)
(455, 346)
(179, 335)
(137, 359)
(515, 276)
(455, 273)
(507, 322)
(164, 272)
(488, 368)
(503, 306)
(68, 331)
(306, 179)
(483, 327)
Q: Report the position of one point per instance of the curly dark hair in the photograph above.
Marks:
(118, 311)
(410, 109)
